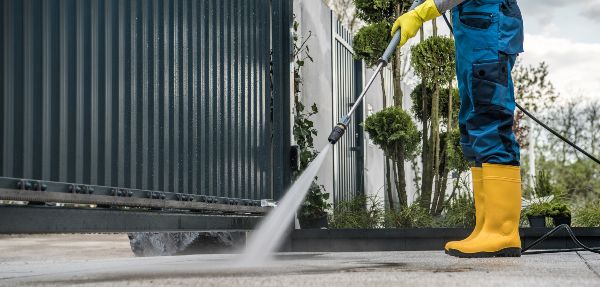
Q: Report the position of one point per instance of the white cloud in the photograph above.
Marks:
(574, 66)
(592, 11)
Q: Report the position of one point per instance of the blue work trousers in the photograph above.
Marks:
(489, 36)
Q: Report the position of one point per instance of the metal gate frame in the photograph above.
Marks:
(95, 208)
(348, 158)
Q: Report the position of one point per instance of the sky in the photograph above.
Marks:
(566, 35)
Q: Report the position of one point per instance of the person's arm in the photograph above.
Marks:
(445, 5)
(410, 22)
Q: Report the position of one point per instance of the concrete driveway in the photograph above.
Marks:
(104, 260)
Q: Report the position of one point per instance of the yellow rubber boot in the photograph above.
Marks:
(476, 174)
(499, 235)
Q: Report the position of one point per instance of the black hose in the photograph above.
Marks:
(558, 135)
(571, 234)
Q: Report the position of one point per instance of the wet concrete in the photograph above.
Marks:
(430, 268)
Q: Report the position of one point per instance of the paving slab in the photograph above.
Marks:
(426, 268)
(105, 260)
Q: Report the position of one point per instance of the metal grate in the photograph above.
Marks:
(347, 82)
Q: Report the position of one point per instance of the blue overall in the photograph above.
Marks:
(489, 36)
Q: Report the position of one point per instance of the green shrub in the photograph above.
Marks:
(315, 204)
(588, 215)
(357, 213)
(433, 61)
(394, 132)
(370, 42)
(460, 212)
(413, 216)
(558, 208)
(538, 209)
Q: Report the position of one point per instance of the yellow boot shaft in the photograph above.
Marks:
(477, 174)
(499, 235)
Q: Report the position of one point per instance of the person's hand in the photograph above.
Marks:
(410, 22)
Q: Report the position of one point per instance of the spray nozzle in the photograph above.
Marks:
(339, 130)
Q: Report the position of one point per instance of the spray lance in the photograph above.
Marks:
(339, 129)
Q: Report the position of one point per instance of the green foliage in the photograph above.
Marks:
(588, 215)
(417, 102)
(543, 186)
(370, 42)
(413, 216)
(538, 209)
(558, 208)
(553, 208)
(456, 160)
(357, 213)
(460, 212)
(394, 132)
(303, 129)
(580, 178)
(433, 61)
(316, 203)
(379, 10)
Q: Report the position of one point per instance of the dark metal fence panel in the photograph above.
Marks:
(160, 95)
(347, 82)
(282, 56)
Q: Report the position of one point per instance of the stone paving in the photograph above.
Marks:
(432, 268)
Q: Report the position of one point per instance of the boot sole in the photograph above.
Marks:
(506, 252)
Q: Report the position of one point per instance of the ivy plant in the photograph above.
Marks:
(315, 205)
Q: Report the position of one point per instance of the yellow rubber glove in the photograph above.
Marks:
(410, 22)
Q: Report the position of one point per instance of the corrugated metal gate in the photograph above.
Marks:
(347, 84)
(105, 101)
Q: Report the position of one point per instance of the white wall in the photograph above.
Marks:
(315, 16)
(317, 86)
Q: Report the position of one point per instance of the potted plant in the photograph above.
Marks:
(560, 213)
(313, 213)
(536, 213)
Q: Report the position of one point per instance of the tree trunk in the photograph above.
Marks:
(435, 138)
(427, 178)
(387, 167)
(399, 174)
(398, 102)
(388, 183)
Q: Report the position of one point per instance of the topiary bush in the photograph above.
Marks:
(394, 132)
(370, 42)
(434, 61)
(378, 10)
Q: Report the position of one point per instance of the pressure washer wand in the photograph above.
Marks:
(339, 130)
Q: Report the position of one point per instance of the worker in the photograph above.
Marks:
(488, 36)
